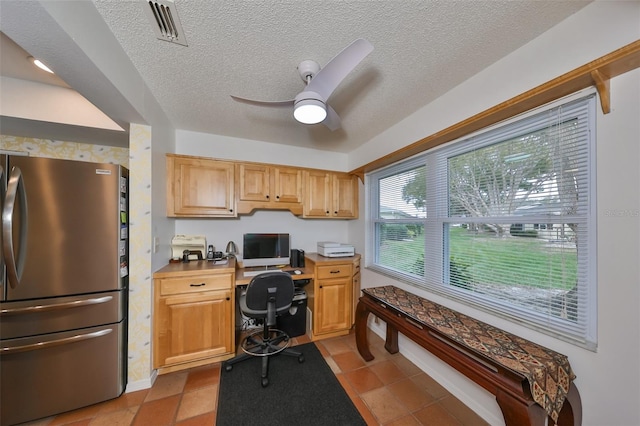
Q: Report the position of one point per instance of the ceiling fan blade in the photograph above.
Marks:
(333, 120)
(288, 103)
(329, 77)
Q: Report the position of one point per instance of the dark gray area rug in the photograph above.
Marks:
(305, 393)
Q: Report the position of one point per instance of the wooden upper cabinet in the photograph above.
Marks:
(330, 195)
(317, 193)
(206, 187)
(254, 182)
(261, 186)
(345, 196)
(200, 187)
(287, 184)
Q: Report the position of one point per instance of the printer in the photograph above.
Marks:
(193, 243)
(331, 249)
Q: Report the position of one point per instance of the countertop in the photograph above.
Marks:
(198, 267)
(195, 267)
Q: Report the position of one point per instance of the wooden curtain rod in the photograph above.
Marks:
(596, 73)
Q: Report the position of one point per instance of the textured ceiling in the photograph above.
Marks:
(422, 49)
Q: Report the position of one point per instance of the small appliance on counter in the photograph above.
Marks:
(193, 243)
(231, 249)
(331, 249)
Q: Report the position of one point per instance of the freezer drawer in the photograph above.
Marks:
(51, 374)
(35, 317)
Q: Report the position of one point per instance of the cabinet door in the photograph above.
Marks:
(345, 196)
(334, 306)
(200, 187)
(193, 326)
(287, 186)
(253, 182)
(317, 194)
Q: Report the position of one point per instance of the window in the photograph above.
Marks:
(503, 220)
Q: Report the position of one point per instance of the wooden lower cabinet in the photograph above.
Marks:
(193, 320)
(356, 289)
(330, 299)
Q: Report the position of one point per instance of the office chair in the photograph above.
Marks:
(268, 295)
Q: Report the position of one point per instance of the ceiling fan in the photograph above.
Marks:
(310, 106)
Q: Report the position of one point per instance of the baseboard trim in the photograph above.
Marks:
(142, 384)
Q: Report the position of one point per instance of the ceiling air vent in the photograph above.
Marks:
(165, 21)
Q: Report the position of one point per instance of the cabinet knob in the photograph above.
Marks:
(277, 197)
(267, 197)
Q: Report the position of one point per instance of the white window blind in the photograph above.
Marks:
(503, 220)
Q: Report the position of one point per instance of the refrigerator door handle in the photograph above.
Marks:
(15, 188)
(49, 344)
(3, 194)
(55, 306)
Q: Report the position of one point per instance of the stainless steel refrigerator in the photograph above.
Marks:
(64, 288)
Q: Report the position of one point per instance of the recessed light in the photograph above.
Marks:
(38, 63)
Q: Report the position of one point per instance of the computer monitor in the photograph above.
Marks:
(265, 250)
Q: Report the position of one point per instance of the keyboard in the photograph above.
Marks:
(254, 273)
(262, 271)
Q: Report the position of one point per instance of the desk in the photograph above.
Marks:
(194, 316)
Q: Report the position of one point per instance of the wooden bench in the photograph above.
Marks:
(531, 383)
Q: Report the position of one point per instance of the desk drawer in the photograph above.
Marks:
(195, 284)
(334, 271)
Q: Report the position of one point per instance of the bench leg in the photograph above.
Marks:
(518, 413)
(571, 413)
(391, 343)
(362, 313)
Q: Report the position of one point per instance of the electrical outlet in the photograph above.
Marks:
(156, 244)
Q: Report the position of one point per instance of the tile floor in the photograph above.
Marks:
(389, 390)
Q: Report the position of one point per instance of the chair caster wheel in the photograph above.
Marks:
(228, 367)
(265, 382)
(301, 359)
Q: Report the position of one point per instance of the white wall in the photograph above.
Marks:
(305, 233)
(609, 379)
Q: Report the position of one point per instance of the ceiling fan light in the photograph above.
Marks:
(309, 111)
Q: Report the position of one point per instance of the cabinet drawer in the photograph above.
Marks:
(195, 284)
(334, 271)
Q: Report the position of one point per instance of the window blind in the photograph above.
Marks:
(503, 220)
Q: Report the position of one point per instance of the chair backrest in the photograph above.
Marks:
(276, 287)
